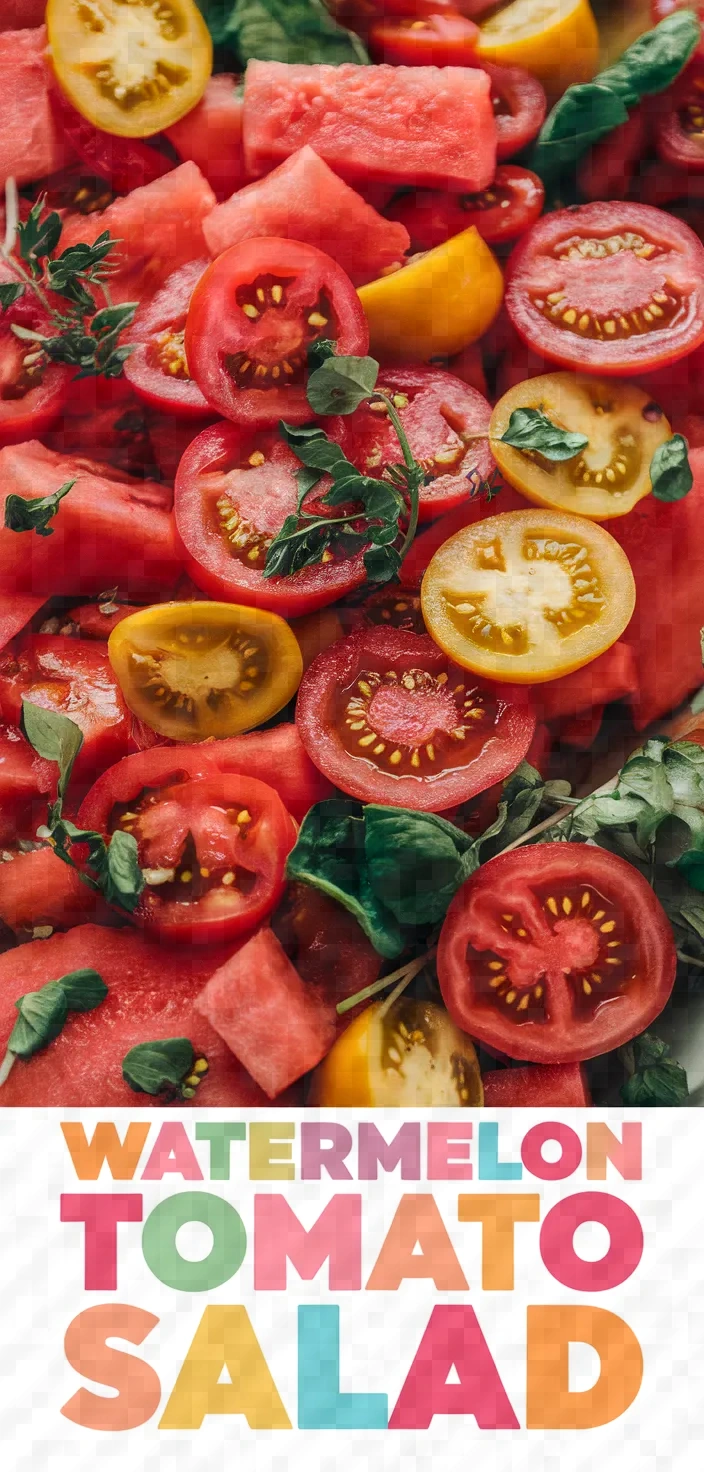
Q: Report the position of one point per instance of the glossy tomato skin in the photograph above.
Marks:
(437, 40)
(500, 213)
(235, 342)
(607, 171)
(31, 397)
(157, 367)
(74, 679)
(678, 133)
(556, 1086)
(226, 507)
(16, 611)
(25, 783)
(566, 256)
(389, 719)
(125, 163)
(436, 410)
(562, 956)
(519, 104)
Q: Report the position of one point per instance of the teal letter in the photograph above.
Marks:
(220, 1136)
(490, 1167)
(163, 1257)
(321, 1406)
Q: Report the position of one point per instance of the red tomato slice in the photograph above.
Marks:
(556, 1086)
(125, 163)
(157, 368)
(234, 489)
(608, 169)
(519, 103)
(556, 953)
(32, 389)
(212, 852)
(253, 316)
(679, 133)
(92, 623)
(16, 611)
(387, 717)
(502, 212)
(328, 948)
(437, 411)
(435, 40)
(76, 680)
(608, 288)
(105, 420)
(25, 783)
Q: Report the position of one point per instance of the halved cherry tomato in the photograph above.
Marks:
(234, 488)
(90, 621)
(502, 212)
(519, 104)
(390, 607)
(25, 782)
(157, 368)
(407, 1055)
(622, 424)
(32, 389)
(528, 595)
(444, 420)
(680, 129)
(607, 170)
(74, 679)
(555, 40)
(388, 718)
(124, 163)
(608, 288)
(252, 318)
(435, 40)
(438, 303)
(130, 69)
(192, 670)
(555, 953)
(212, 852)
(546, 1086)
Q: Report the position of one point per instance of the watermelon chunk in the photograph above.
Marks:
(211, 135)
(38, 889)
(542, 1086)
(264, 1012)
(422, 125)
(30, 143)
(152, 992)
(304, 200)
(159, 227)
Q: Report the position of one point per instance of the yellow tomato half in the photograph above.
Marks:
(556, 40)
(404, 1056)
(193, 670)
(437, 304)
(528, 596)
(623, 428)
(131, 67)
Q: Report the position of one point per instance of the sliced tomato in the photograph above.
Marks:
(16, 611)
(32, 389)
(556, 953)
(388, 718)
(417, 561)
(608, 289)
(502, 212)
(389, 607)
(469, 366)
(124, 163)
(550, 1086)
(328, 948)
(408, 1053)
(25, 783)
(253, 316)
(519, 103)
(435, 40)
(608, 169)
(75, 679)
(444, 420)
(680, 129)
(234, 489)
(111, 428)
(90, 621)
(157, 367)
(211, 135)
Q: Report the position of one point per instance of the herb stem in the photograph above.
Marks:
(690, 960)
(403, 976)
(562, 812)
(7, 1065)
(410, 465)
(11, 215)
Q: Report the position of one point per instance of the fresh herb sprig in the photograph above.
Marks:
(671, 475)
(42, 1014)
(279, 30)
(33, 513)
(80, 336)
(654, 1079)
(168, 1066)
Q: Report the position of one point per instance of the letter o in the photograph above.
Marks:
(551, 1170)
(622, 1256)
(163, 1257)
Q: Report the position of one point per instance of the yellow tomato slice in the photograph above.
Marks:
(131, 67)
(556, 40)
(406, 1055)
(437, 304)
(528, 596)
(606, 479)
(193, 670)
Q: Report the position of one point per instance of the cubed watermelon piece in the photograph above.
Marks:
(38, 889)
(422, 125)
(211, 135)
(540, 1086)
(262, 1009)
(30, 143)
(304, 200)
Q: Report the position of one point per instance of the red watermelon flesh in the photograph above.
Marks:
(38, 889)
(542, 1086)
(152, 991)
(16, 14)
(30, 144)
(304, 200)
(422, 125)
(159, 227)
(211, 135)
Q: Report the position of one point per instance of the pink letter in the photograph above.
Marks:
(626, 1154)
(622, 1255)
(453, 1339)
(442, 1165)
(101, 1215)
(314, 1159)
(172, 1153)
(337, 1235)
(553, 1170)
(374, 1151)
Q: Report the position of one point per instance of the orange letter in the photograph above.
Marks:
(626, 1154)
(498, 1214)
(88, 1155)
(551, 1405)
(223, 1340)
(137, 1383)
(417, 1220)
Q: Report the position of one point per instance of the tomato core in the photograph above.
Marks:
(413, 722)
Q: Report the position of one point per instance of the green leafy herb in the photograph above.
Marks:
(670, 471)
(35, 513)
(281, 30)
(415, 862)
(42, 1014)
(529, 429)
(84, 990)
(318, 352)
(329, 855)
(112, 867)
(10, 293)
(159, 1067)
(340, 385)
(56, 739)
(654, 1079)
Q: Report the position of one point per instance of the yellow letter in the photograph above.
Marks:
(225, 1339)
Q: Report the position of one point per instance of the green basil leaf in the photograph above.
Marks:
(656, 1080)
(282, 30)
(382, 564)
(670, 471)
(37, 237)
(414, 862)
(84, 990)
(654, 60)
(42, 1016)
(329, 854)
(341, 384)
(530, 429)
(35, 513)
(319, 351)
(10, 292)
(123, 880)
(158, 1067)
(54, 737)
